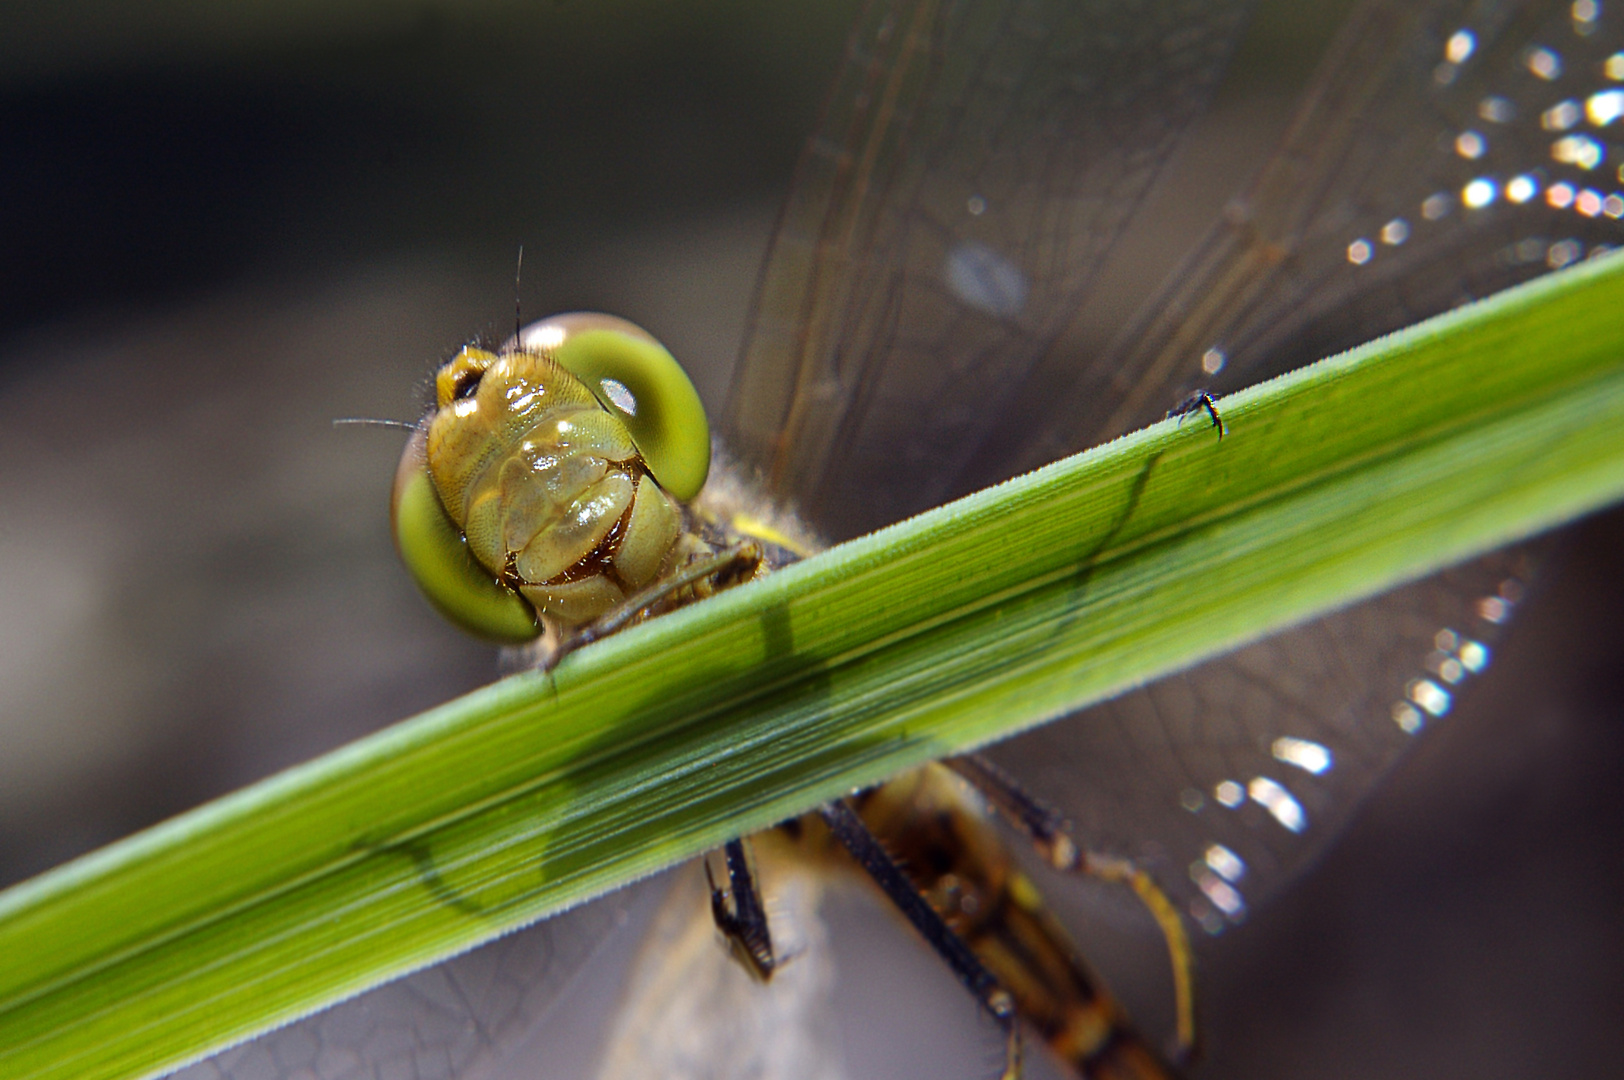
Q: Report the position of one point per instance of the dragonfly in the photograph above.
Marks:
(942, 307)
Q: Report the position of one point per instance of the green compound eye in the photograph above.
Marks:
(441, 564)
(635, 378)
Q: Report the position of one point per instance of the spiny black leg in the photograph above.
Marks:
(1050, 834)
(739, 913)
(1047, 830)
(856, 838)
(1198, 401)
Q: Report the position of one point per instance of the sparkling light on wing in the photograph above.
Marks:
(914, 340)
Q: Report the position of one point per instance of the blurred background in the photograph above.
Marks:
(224, 226)
(225, 229)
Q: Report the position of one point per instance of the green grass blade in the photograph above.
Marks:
(961, 626)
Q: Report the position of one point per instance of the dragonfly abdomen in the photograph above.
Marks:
(951, 853)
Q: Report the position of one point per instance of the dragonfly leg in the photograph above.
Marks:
(1051, 837)
(1200, 401)
(730, 566)
(871, 855)
(740, 915)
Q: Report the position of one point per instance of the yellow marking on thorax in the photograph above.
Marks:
(754, 528)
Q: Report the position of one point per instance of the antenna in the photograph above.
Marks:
(518, 316)
(367, 421)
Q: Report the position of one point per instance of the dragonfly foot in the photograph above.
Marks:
(1200, 401)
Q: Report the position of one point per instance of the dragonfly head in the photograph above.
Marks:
(543, 487)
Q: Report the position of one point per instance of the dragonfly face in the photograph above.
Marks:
(543, 487)
(924, 326)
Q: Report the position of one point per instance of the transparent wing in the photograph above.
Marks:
(1433, 162)
(1443, 152)
(928, 320)
(455, 1020)
(1225, 779)
(916, 338)
(977, 162)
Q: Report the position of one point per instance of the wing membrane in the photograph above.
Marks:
(977, 162)
(949, 331)
(448, 1022)
(1224, 780)
(1278, 284)
(1379, 166)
